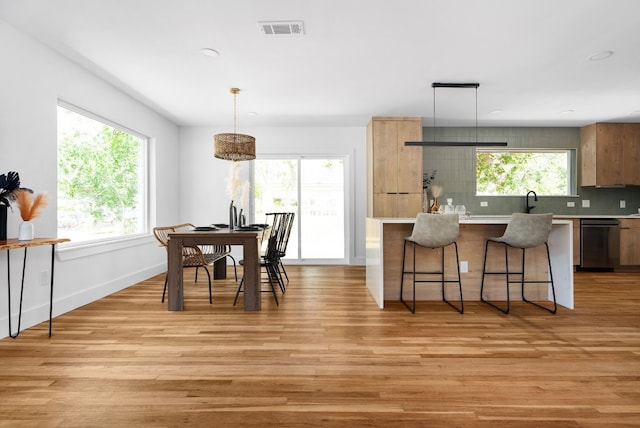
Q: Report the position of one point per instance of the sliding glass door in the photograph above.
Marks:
(314, 189)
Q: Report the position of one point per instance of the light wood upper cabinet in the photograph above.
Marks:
(629, 242)
(631, 154)
(394, 171)
(610, 154)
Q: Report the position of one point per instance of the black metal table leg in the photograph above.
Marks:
(53, 253)
(24, 263)
(8, 245)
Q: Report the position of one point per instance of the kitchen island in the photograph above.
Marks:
(385, 240)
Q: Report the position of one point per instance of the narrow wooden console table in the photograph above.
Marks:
(14, 244)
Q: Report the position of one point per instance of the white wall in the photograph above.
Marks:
(203, 196)
(32, 78)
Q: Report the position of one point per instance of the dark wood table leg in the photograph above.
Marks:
(174, 275)
(251, 274)
(220, 268)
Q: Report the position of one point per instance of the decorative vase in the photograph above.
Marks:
(232, 216)
(25, 231)
(3, 222)
(241, 219)
(435, 208)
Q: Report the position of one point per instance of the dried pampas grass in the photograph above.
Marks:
(233, 180)
(244, 198)
(436, 191)
(237, 189)
(29, 206)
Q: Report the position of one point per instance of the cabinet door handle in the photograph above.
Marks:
(403, 193)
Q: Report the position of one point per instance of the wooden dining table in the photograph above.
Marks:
(250, 241)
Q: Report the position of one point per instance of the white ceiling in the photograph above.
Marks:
(357, 59)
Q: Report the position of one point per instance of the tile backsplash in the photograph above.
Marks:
(455, 168)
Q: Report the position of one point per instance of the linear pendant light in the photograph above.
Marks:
(476, 143)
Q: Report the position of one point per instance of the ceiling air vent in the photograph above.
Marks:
(281, 28)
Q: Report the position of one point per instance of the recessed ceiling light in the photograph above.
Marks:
(599, 56)
(253, 113)
(496, 111)
(568, 111)
(209, 52)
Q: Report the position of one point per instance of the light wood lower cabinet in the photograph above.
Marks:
(576, 241)
(391, 204)
(629, 242)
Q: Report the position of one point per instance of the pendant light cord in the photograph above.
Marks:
(436, 85)
(235, 94)
(476, 114)
(434, 113)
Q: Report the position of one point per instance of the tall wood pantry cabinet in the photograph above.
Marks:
(394, 171)
(610, 154)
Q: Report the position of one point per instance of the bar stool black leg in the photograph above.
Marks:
(461, 308)
(404, 252)
(553, 289)
(484, 272)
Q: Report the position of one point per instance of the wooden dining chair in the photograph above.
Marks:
(282, 222)
(268, 262)
(192, 257)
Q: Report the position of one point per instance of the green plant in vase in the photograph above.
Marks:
(9, 187)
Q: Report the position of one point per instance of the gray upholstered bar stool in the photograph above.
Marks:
(432, 231)
(523, 231)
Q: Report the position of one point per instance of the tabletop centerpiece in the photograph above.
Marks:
(30, 207)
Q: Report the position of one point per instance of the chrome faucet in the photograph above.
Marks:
(535, 198)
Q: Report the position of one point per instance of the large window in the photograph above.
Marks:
(102, 183)
(314, 189)
(515, 172)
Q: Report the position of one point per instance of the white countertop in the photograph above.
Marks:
(492, 219)
(596, 216)
(503, 219)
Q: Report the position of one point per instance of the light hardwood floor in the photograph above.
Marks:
(327, 356)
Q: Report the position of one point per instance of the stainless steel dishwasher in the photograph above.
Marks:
(599, 243)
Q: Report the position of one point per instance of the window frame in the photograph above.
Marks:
(572, 168)
(75, 249)
(347, 180)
